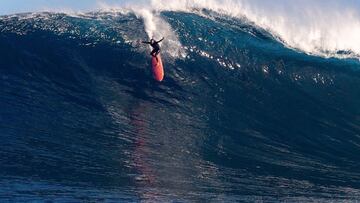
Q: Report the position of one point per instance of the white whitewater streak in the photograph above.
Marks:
(320, 27)
(155, 26)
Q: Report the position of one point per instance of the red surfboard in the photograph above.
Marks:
(157, 68)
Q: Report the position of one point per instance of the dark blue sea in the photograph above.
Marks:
(239, 117)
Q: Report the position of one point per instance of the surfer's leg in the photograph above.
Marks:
(157, 51)
(154, 53)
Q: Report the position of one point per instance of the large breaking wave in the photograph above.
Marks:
(241, 115)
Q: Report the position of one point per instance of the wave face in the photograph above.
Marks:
(239, 117)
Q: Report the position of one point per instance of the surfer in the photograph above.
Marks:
(156, 47)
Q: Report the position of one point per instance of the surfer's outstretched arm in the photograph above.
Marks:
(145, 42)
(160, 40)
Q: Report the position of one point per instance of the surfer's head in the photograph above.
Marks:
(152, 41)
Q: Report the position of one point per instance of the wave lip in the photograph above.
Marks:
(326, 29)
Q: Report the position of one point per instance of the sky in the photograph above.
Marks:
(18, 6)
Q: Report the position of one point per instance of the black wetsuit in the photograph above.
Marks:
(156, 47)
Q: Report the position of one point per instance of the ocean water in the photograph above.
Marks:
(243, 115)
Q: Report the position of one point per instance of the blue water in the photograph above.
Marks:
(81, 118)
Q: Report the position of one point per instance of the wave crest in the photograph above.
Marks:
(327, 29)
